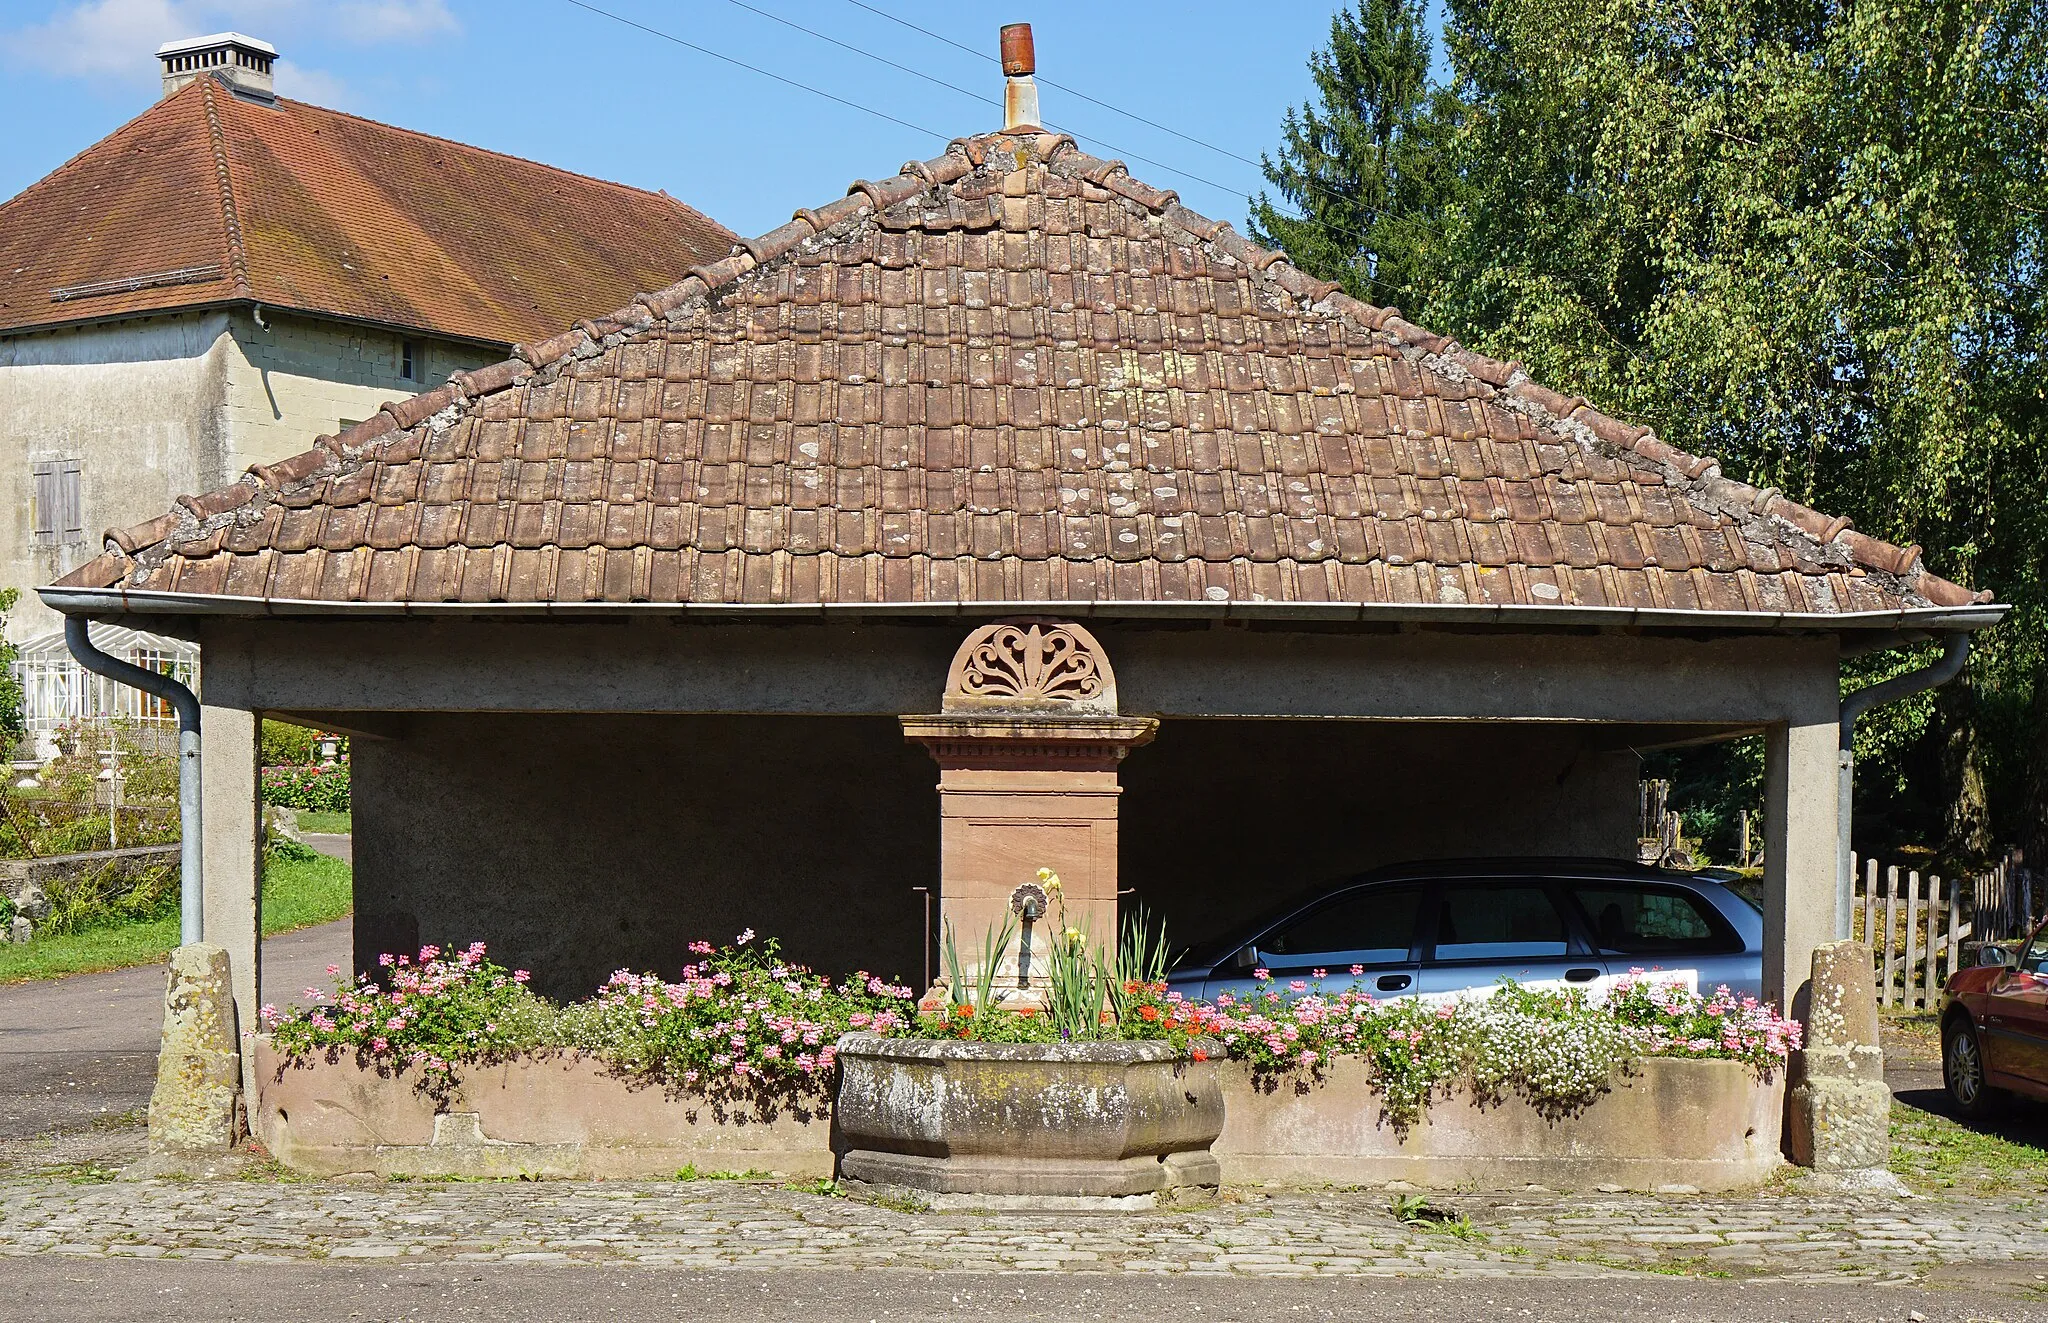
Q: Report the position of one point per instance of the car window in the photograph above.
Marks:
(1375, 925)
(1640, 920)
(2034, 960)
(1499, 921)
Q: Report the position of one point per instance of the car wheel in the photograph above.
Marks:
(1962, 1070)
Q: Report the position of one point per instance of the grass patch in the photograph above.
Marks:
(824, 1187)
(1932, 1153)
(327, 824)
(296, 893)
(301, 892)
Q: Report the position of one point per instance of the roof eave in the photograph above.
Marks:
(237, 302)
(99, 602)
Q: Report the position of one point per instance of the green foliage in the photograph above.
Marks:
(286, 745)
(323, 789)
(1554, 1048)
(741, 1022)
(13, 721)
(1804, 236)
(147, 755)
(431, 1015)
(1361, 170)
(995, 946)
(741, 1025)
(106, 897)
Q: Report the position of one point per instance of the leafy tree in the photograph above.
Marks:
(1803, 235)
(1361, 172)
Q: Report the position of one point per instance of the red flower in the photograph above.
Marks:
(1148, 1012)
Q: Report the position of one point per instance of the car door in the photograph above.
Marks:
(1488, 929)
(1672, 932)
(2016, 1015)
(1371, 929)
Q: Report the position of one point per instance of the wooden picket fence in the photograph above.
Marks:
(1921, 929)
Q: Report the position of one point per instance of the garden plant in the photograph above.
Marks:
(742, 1022)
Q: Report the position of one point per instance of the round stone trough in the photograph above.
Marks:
(996, 1123)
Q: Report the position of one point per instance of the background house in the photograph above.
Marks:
(232, 273)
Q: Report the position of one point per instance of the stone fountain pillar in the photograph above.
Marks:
(1028, 739)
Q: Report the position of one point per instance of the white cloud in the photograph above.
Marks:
(372, 21)
(109, 42)
(314, 85)
(100, 39)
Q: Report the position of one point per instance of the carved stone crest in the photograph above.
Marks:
(1040, 666)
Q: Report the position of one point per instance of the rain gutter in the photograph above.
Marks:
(192, 883)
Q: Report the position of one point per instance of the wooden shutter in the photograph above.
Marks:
(45, 475)
(71, 524)
(59, 505)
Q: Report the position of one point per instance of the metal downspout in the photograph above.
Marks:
(1957, 651)
(192, 889)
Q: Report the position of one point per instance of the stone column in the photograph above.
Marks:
(1838, 1110)
(1028, 740)
(1799, 858)
(230, 750)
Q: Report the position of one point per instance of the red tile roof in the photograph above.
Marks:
(208, 197)
(1009, 375)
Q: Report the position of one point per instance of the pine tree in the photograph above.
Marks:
(1360, 169)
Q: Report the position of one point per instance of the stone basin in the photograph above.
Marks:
(1122, 1122)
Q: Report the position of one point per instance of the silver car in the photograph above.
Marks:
(1448, 927)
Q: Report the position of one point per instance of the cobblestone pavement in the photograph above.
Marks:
(724, 1224)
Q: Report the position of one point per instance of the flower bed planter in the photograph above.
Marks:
(1121, 1121)
(561, 1115)
(1671, 1121)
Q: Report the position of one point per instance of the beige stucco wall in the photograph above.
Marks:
(159, 407)
(137, 403)
(293, 378)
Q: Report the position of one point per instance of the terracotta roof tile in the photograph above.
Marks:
(208, 197)
(1020, 383)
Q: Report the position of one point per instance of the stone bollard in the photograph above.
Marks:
(196, 1109)
(1838, 1109)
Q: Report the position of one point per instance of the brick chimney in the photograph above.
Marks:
(242, 63)
(1020, 93)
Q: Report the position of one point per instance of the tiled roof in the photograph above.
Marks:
(1009, 375)
(207, 197)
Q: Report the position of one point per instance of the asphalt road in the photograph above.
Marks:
(79, 1052)
(47, 1287)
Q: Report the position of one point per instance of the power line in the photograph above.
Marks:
(901, 68)
(1325, 226)
(1319, 187)
(1070, 91)
(751, 68)
(954, 87)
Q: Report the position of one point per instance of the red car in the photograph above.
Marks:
(1994, 1027)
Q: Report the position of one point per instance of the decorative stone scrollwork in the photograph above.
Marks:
(1031, 666)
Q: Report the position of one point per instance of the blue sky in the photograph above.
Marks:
(547, 80)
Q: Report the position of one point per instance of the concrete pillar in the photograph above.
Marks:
(1028, 742)
(1799, 857)
(230, 752)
